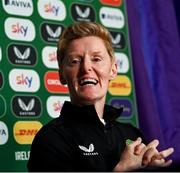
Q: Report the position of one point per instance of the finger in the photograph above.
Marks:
(167, 163)
(158, 163)
(148, 155)
(139, 148)
(136, 142)
(167, 152)
(152, 144)
(161, 163)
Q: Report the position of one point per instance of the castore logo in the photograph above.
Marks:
(88, 151)
(22, 54)
(118, 40)
(83, 13)
(26, 106)
(51, 32)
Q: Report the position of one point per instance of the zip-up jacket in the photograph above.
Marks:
(78, 141)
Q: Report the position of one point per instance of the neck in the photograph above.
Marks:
(99, 106)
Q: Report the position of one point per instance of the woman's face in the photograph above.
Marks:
(87, 69)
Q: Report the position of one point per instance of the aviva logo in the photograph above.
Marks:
(25, 131)
(18, 7)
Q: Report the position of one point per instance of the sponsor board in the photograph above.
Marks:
(26, 106)
(19, 29)
(121, 86)
(21, 155)
(52, 9)
(49, 57)
(4, 134)
(122, 62)
(25, 131)
(22, 80)
(24, 55)
(18, 7)
(51, 32)
(111, 2)
(1, 80)
(126, 104)
(0, 54)
(2, 106)
(53, 84)
(54, 105)
(81, 12)
(112, 17)
(118, 40)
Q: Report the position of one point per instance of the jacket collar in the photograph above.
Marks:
(87, 113)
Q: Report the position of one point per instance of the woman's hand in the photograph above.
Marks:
(137, 155)
(129, 160)
(152, 157)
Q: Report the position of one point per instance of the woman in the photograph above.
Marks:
(86, 136)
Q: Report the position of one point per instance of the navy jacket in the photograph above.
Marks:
(79, 141)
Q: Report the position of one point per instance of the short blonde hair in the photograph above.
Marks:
(79, 30)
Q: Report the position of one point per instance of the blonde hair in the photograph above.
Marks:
(79, 30)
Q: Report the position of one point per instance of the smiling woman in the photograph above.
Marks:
(86, 136)
(81, 70)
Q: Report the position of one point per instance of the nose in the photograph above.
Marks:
(86, 65)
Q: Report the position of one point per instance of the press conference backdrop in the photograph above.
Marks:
(30, 91)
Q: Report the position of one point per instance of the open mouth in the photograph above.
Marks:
(83, 82)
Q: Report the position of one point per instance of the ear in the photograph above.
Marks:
(113, 72)
(61, 77)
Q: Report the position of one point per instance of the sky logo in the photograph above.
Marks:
(49, 57)
(24, 80)
(53, 10)
(54, 105)
(19, 29)
(49, 8)
(122, 62)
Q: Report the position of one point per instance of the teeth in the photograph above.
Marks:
(88, 81)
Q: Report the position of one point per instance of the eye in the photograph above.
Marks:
(97, 58)
(74, 61)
